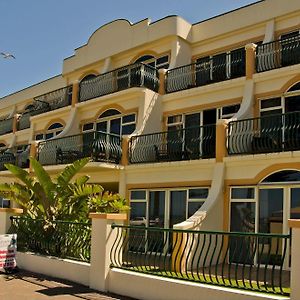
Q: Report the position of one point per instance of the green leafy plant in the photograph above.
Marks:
(60, 198)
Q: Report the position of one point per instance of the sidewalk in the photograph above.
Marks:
(30, 286)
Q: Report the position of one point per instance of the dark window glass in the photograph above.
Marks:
(177, 207)
(2, 145)
(174, 119)
(209, 116)
(271, 112)
(138, 214)
(102, 126)
(88, 126)
(229, 110)
(144, 58)
(292, 104)
(128, 129)
(193, 207)
(49, 135)
(162, 60)
(109, 112)
(289, 35)
(283, 176)
(295, 87)
(54, 126)
(242, 193)
(4, 203)
(198, 193)
(39, 137)
(138, 195)
(270, 103)
(128, 118)
(192, 120)
(295, 203)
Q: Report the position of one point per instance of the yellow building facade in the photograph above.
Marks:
(197, 125)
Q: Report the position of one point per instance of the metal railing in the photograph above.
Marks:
(100, 146)
(247, 261)
(58, 238)
(18, 156)
(206, 72)
(135, 75)
(6, 126)
(52, 100)
(277, 54)
(184, 144)
(274, 133)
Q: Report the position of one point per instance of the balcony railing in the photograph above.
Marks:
(266, 134)
(184, 144)
(249, 261)
(136, 75)
(100, 146)
(277, 54)
(6, 126)
(52, 100)
(18, 156)
(206, 72)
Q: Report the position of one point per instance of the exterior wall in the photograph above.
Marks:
(61, 268)
(147, 287)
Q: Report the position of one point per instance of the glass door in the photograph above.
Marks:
(156, 218)
(295, 203)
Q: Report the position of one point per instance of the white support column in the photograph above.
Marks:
(5, 214)
(295, 259)
(103, 237)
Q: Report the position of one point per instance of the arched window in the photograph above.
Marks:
(88, 77)
(286, 103)
(286, 176)
(113, 121)
(161, 62)
(2, 146)
(52, 131)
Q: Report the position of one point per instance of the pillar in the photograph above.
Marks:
(221, 150)
(103, 238)
(162, 81)
(250, 60)
(75, 93)
(125, 151)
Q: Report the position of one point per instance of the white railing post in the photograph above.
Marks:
(295, 259)
(5, 214)
(103, 237)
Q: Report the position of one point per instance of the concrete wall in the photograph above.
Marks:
(52, 266)
(148, 287)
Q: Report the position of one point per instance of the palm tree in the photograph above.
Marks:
(59, 198)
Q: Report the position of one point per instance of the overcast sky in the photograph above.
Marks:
(41, 33)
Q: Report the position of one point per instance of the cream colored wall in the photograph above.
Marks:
(205, 96)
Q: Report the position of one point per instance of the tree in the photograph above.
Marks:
(60, 198)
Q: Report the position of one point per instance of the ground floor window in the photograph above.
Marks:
(165, 207)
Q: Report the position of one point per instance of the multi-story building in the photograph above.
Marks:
(198, 125)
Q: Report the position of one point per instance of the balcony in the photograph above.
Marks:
(136, 75)
(51, 101)
(100, 146)
(6, 126)
(206, 71)
(277, 54)
(18, 156)
(184, 144)
(274, 133)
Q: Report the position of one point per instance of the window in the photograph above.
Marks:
(112, 121)
(220, 67)
(52, 131)
(4, 203)
(161, 62)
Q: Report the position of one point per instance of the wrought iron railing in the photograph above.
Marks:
(100, 146)
(274, 133)
(247, 261)
(52, 100)
(58, 238)
(18, 156)
(135, 75)
(277, 54)
(24, 121)
(206, 72)
(6, 126)
(184, 144)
